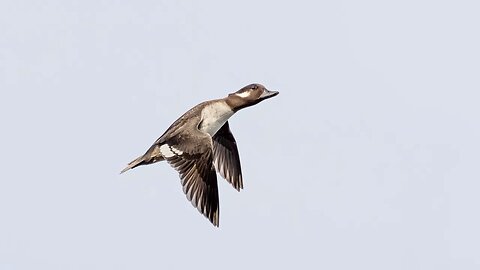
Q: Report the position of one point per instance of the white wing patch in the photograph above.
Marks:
(243, 94)
(176, 151)
(169, 151)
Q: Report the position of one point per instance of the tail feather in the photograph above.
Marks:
(137, 162)
(151, 156)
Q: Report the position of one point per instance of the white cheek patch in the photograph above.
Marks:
(244, 94)
(168, 151)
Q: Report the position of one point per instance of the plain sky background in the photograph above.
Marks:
(368, 158)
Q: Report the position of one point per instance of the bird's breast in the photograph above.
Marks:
(214, 116)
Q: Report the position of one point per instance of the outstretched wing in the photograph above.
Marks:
(226, 158)
(192, 157)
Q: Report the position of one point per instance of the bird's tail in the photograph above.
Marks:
(137, 162)
(151, 156)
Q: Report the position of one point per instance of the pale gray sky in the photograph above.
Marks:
(368, 158)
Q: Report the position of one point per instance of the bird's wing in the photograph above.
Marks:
(192, 156)
(226, 158)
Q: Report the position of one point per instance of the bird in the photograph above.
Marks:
(200, 143)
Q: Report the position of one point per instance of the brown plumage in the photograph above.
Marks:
(199, 143)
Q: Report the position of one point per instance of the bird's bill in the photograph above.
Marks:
(268, 94)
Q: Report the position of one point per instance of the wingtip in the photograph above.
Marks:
(215, 223)
(216, 219)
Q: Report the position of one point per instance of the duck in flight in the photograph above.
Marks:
(199, 143)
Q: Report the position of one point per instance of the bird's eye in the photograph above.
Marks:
(254, 87)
